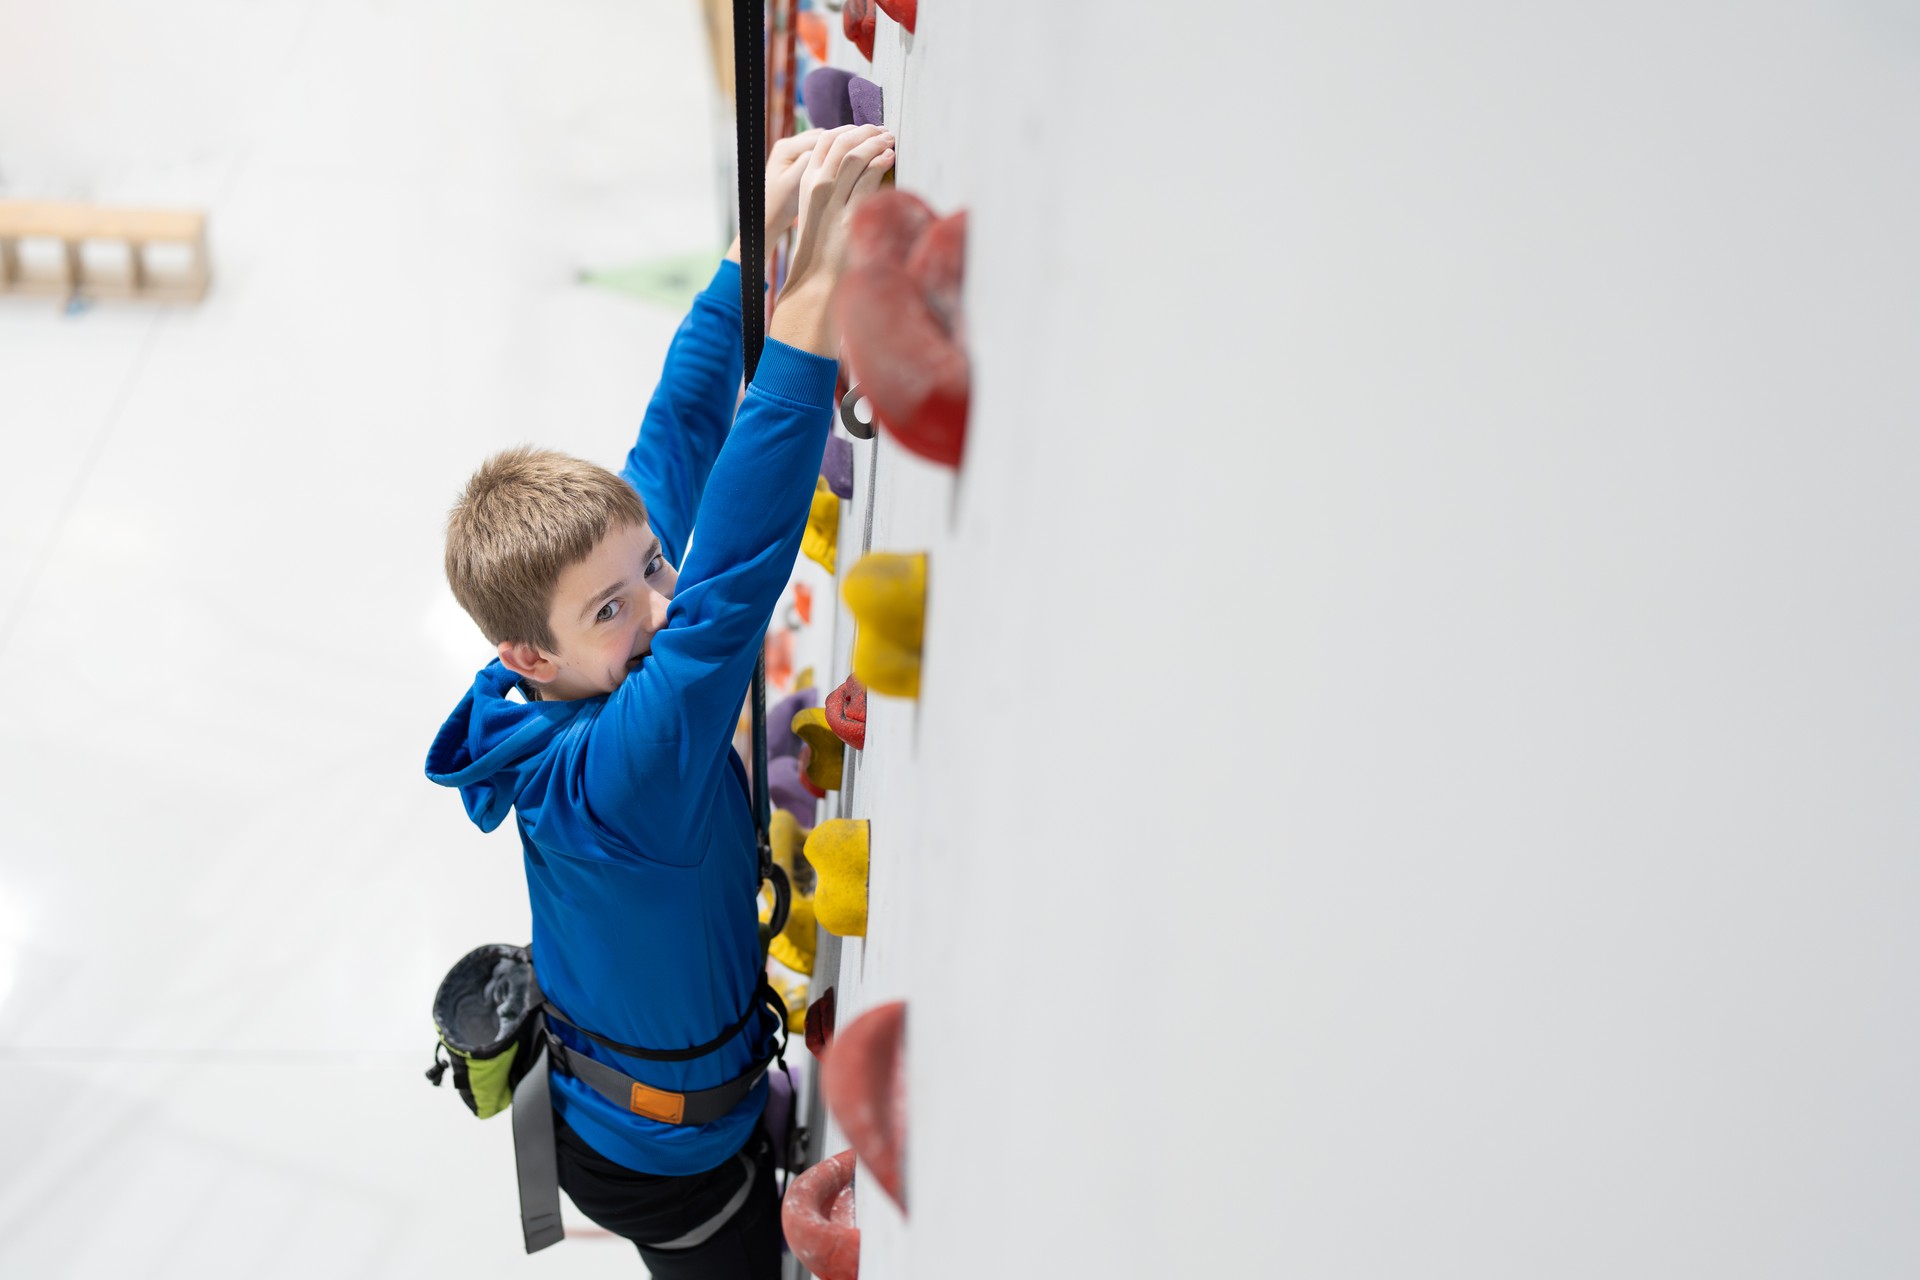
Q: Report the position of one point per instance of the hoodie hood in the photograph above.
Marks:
(490, 745)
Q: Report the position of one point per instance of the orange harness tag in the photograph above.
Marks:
(658, 1104)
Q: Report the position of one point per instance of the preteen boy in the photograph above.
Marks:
(605, 726)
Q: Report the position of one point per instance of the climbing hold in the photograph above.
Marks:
(858, 427)
(904, 12)
(838, 851)
(778, 652)
(866, 101)
(858, 22)
(812, 29)
(784, 785)
(899, 312)
(888, 596)
(819, 1031)
(807, 779)
(803, 678)
(822, 538)
(846, 713)
(817, 1213)
(803, 605)
(825, 92)
(786, 835)
(863, 1081)
(794, 945)
(825, 755)
(837, 466)
(781, 739)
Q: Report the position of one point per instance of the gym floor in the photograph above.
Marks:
(226, 890)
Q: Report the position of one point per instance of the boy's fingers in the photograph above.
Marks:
(845, 141)
(857, 162)
(869, 181)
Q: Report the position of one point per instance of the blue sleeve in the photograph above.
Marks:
(686, 421)
(660, 746)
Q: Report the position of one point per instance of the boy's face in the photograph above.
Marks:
(605, 612)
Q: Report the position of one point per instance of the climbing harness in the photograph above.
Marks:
(497, 1036)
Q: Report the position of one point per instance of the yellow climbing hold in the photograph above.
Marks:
(888, 596)
(822, 537)
(793, 994)
(793, 946)
(838, 851)
(803, 680)
(787, 836)
(826, 762)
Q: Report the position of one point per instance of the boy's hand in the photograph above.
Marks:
(844, 167)
(785, 167)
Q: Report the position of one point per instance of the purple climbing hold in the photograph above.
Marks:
(825, 93)
(837, 466)
(781, 740)
(864, 97)
(783, 784)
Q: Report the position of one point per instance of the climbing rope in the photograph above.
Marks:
(750, 142)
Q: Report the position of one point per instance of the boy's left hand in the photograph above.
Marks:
(786, 167)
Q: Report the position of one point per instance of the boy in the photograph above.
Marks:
(606, 725)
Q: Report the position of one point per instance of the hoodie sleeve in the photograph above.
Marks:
(686, 421)
(660, 745)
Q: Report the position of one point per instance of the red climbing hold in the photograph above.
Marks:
(899, 313)
(817, 1216)
(864, 1082)
(820, 1023)
(904, 12)
(847, 713)
(857, 21)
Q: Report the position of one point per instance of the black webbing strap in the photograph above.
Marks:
(757, 1002)
(750, 160)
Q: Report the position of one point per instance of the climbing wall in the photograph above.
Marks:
(1412, 767)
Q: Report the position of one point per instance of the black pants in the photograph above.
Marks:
(651, 1210)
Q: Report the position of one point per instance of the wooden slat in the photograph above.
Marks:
(92, 222)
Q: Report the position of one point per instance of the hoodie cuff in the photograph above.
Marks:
(724, 288)
(795, 375)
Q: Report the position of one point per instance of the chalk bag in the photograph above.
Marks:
(487, 1014)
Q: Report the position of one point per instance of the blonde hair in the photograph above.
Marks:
(523, 518)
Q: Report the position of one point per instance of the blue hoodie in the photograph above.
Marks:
(633, 809)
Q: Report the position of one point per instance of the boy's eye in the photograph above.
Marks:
(608, 611)
(655, 565)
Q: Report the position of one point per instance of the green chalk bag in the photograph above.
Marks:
(487, 1013)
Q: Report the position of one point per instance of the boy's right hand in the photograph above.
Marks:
(845, 166)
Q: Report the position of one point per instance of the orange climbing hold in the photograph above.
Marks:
(888, 596)
(812, 29)
(898, 307)
(846, 712)
(863, 1081)
(823, 758)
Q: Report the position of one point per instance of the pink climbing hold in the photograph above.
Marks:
(817, 1216)
(864, 1082)
(904, 12)
(820, 1022)
(847, 713)
(899, 312)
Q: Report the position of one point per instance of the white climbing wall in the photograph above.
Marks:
(1417, 767)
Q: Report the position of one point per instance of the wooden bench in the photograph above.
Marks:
(74, 225)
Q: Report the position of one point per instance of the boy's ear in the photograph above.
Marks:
(524, 659)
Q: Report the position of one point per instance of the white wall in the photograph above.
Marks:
(1416, 773)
